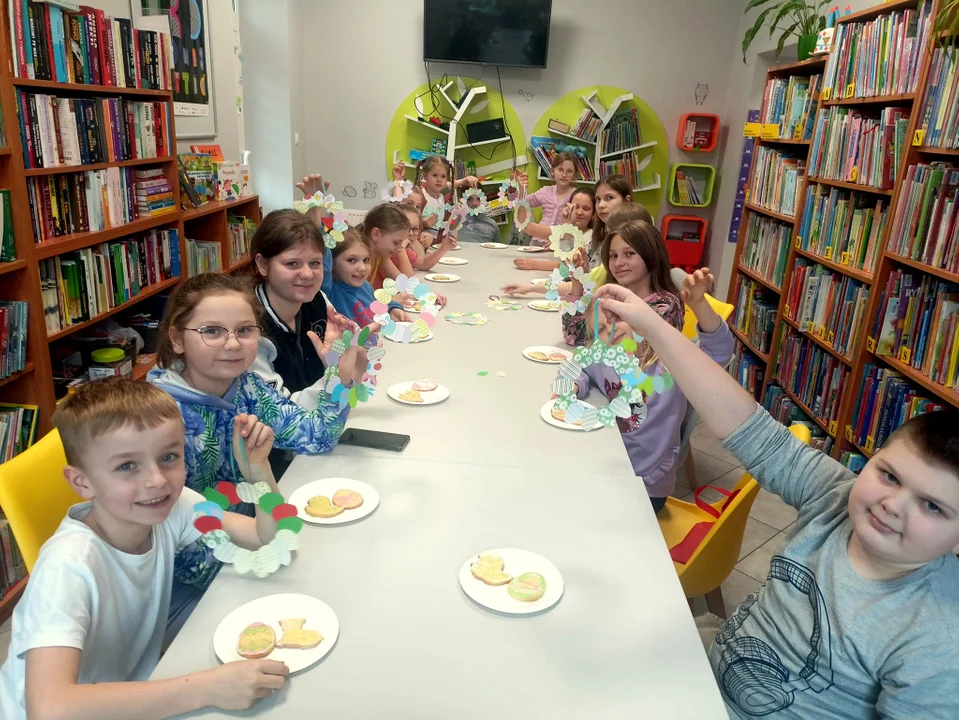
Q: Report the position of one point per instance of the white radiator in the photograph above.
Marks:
(354, 217)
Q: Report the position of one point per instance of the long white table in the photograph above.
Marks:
(482, 471)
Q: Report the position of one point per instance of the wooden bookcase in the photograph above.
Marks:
(20, 280)
(863, 347)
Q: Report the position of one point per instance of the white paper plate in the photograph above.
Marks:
(432, 397)
(432, 277)
(328, 486)
(493, 245)
(270, 610)
(531, 249)
(544, 305)
(539, 281)
(421, 340)
(545, 412)
(453, 261)
(458, 247)
(547, 350)
(516, 562)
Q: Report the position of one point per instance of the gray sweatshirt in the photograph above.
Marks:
(818, 640)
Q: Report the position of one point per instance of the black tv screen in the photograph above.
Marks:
(493, 32)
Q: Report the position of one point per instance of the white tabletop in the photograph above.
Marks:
(482, 471)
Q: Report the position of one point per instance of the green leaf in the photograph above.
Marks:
(754, 4)
(783, 38)
(754, 30)
(787, 7)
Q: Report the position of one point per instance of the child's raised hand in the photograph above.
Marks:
(237, 685)
(581, 259)
(252, 442)
(622, 305)
(430, 221)
(471, 180)
(310, 185)
(519, 176)
(399, 171)
(696, 285)
(567, 211)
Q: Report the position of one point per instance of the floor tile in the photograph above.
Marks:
(757, 535)
(708, 468)
(769, 509)
(756, 564)
(704, 441)
(737, 586)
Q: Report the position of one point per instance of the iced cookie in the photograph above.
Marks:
(560, 415)
(294, 636)
(441, 278)
(537, 355)
(528, 587)
(320, 506)
(425, 385)
(411, 395)
(256, 641)
(347, 499)
(489, 569)
(557, 357)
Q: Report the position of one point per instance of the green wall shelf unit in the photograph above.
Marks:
(691, 185)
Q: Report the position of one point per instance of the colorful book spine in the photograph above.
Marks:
(785, 410)
(241, 231)
(924, 226)
(843, 226)
(777, 180)
(814, 376)
(789, 104)
(748, 370)
(755, 315)
(13, 337)
(858, 147)
(886, 401)
(203, 257)
(939, 126)
(766, 247)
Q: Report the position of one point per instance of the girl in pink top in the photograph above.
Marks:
(553, 198)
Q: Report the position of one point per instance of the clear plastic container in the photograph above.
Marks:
(110, 362)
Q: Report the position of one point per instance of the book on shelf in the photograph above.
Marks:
(790, 103)
(748, 370)
(843, 226)
(827, 304)
(203, 257)
(544, 150)
(558, 126)
(202, 173)
(78, 286)
(154, 194)
(765, 247)
(13, 569)
(18, 426)
(241, 231)
(755, 314)
(67, 132)
(86, 47)
(214, 151)
(885, 401)
(853, 460)
(81, 202)
(777, 179)
(587, 127)
(622, 132)
(686, 189)
(878, 57)
(13, 337)
(814, 376)
(859, 147)
(232, 181)
(925, 227)
(919, 315)
(939, 123)
(626, 164)
(8, 247)
(188, 193)
(785, 410)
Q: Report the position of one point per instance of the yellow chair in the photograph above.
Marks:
(717, 554)
(34, 494)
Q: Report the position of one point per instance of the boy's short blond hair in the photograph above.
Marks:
(103, 406)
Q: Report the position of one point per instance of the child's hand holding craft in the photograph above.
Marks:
(399, 171)
(399, 315)
(252, 442)
(237, 685)
(430, 221)
(426, 239)
(621, 305)
(352, 365)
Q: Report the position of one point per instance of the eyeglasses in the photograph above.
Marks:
(216, 336)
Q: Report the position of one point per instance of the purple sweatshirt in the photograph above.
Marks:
(552, 205)
(653, 444)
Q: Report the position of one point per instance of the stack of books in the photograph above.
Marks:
(154, 195)
(827, 304)
(886, 400)
(623, 132)
(789, 103)
(878, 57)
(939, 126)
(777, 179)
(18, 425)
(755, 315)
(766, 247)
(12, 567)
(78, 286)
(65, 132)
(587, 127)
(13, 337)
(622, 165)
(919, 316)
(203, 257)
(853, 460)
(784, 409)
(925, 226)
(86, 47)
(544, 150)
(854, 147)
(8, 246)
(842, 226)
(812, 374)
(748, 370)
(686, 189)
(241, 231)
(81, 202)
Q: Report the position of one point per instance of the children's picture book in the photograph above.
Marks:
(232, 181)
(201, 171)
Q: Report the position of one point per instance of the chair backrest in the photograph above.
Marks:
(34, 495)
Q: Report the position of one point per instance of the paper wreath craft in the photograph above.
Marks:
(366, 388)
(621, 358)
(439, 212)
(324, 202)
(454, 221)
(388, 195)
(522, 214)
(497, 303)
(481, 207)
(565, 240)
(411, 332)
(208, 519)
(461, 318)
(509, 192)
(567, 273)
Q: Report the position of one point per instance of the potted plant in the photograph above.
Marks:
(947, 22)
(802, 18)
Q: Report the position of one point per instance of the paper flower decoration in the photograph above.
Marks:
(454, 221)
(208, 519)
(404, 332)
(388, 195)
(475, 201)
(333, 234)
(522, 214)
(366, 388)
(509, 192)
(565, 240)
(496, 303)
(440, 213)
(461, 318)
(570, 304)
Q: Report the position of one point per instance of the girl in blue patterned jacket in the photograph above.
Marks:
(208, 341)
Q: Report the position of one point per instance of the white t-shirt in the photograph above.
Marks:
(86, 594)
(434, 206)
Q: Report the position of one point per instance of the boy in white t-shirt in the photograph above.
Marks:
(88, 631)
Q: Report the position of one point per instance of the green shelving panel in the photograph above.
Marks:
(704, 177)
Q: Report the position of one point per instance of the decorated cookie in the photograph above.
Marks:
(557, 357)
(256, 641)
(294, 636)
(320, 506)
(411, 395)
(347, 499)
(441, 278)
(537, 355)
(425, 385)
(560, 414)
(528, 587)
(489, 569)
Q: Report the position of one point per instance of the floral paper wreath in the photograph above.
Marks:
(564, 248)
(439, 212)
(208, 519)
(387, 193)
(362, 391)
(522, 204)
(622, 360)
(467, 318)
(566, 273)
(482, 208)
(454, 221)
(419, 328)
(510, 199)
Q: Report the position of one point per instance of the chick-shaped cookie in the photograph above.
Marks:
(321, 507)
(489, 569)
(294, 636)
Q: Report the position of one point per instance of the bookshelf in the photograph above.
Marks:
(841, 232)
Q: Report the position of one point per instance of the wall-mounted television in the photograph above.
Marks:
(490, 32)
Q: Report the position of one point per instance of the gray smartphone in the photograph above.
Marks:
(375, 439)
